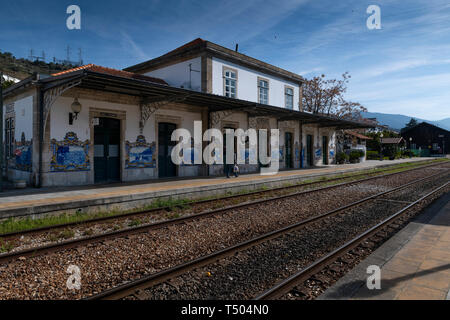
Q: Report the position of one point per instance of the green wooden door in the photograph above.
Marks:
(309, 150)
(166, 168)
(107, 150)
(288, 145)
(325, 150)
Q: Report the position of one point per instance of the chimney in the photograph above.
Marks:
(237, 47)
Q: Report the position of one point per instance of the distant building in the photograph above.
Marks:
(9, 78)
(352, 140)
(378, 127)
(426, 139)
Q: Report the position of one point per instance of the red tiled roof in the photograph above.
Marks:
(113, 72)
(358, 135)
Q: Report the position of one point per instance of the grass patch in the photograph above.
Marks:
(134, 223)
(175, 215)
(6, 246)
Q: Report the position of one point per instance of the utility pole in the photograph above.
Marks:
(1, 131)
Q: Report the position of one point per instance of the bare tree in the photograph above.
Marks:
(326, 96)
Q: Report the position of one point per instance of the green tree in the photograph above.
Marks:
(7, 83)
(412, 123)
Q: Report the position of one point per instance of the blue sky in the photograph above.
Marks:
(402, 68)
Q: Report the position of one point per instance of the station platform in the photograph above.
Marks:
(127, 196)
(415, 263)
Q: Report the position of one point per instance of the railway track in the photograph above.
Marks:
(285, 286)
(62, 245)
(133, 288)
(202, 203)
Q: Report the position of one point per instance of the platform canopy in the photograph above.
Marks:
(153, 91)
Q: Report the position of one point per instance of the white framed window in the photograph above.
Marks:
(289, 97)
(263, 91)
(230, 83)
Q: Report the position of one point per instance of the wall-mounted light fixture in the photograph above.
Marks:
(76, 109)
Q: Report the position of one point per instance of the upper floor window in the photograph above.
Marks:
(289, 97)
(263, 90)
(230, 83)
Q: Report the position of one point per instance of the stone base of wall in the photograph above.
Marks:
(57, 179)
(14, 175)
(139, 174)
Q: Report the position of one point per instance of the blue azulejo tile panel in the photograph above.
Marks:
(140, 154)
(318, 153)
(281, 155)
(332, 153)
(70, 154)
(297, 152)
(23, 152)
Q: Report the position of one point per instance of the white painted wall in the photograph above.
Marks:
(23, 110)
(59, 119)
(24, 118)
(177, 75)
(247, 87)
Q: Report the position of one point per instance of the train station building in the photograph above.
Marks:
(94, 124)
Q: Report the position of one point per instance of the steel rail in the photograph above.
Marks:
(198, 202)
(131, 287)
(288, 284)
(72, 243)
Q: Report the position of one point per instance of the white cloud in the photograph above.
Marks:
(128, 42)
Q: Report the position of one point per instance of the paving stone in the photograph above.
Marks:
(415, 292)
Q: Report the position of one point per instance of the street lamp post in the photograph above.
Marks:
(381, 147)
(410, 147)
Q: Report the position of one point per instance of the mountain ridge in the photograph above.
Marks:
(399, 121)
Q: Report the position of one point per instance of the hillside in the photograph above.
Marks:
(398, 121)
(23, 68)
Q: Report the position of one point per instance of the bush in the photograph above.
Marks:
(373, 155)
(407, 153)
(355, 155)
(342, 157)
